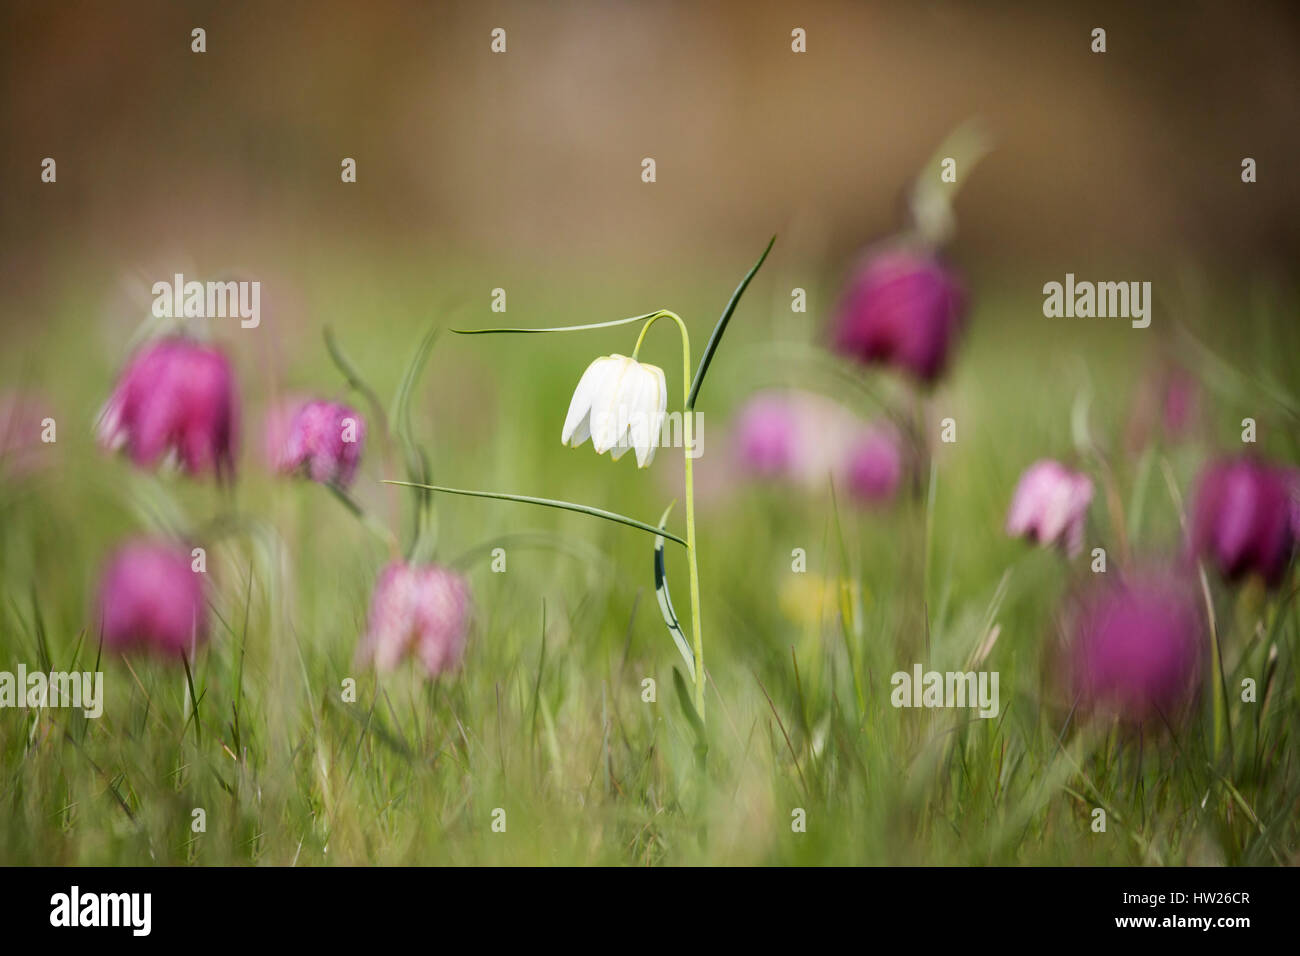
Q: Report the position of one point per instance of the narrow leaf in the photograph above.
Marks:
(721, 327)
(666, 601)
(561, 328)
(549, 503)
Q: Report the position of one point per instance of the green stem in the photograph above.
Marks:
(697, 635)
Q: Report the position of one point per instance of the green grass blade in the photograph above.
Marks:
(537, 684)
(721, 327)
(417, 461)
(42, 638)
(400, 410)
(548, 503)
(353, 377)
(194, 699)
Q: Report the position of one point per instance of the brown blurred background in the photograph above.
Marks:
(1126, 158)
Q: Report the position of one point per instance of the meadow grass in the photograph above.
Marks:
(546, 720)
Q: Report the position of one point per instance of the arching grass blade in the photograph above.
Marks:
(548, 503)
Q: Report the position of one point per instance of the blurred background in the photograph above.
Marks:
(533, 157)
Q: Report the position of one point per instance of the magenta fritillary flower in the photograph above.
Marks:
(151, 599)
(1135, 647)
(176, 399)
(1050, 505)
(903, 307)
(321, 440)
(1244, 519)
(421, 610)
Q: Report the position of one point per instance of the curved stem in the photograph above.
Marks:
(697, 636)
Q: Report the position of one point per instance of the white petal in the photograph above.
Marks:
(655, 405)
(628, 415)
(641, 434)
(581, 433)
(577, 421)
(609, 408)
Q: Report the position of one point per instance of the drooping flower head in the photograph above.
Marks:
(903, 307)
(321, 440)
(1243, 519)
(619, 404)
(151, 599)
(421, 610)
(1134, 646)
(176, 398)
(1050, 505)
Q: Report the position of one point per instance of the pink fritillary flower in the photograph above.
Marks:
(1244, 519)
(905, 308)
(811, 441)
(322, 440)
(1050, 505)
(150, 598)
(1135, 647)
(420, 610)
(767, 435)
(175, 399)
(794, 436)
(874, 467)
